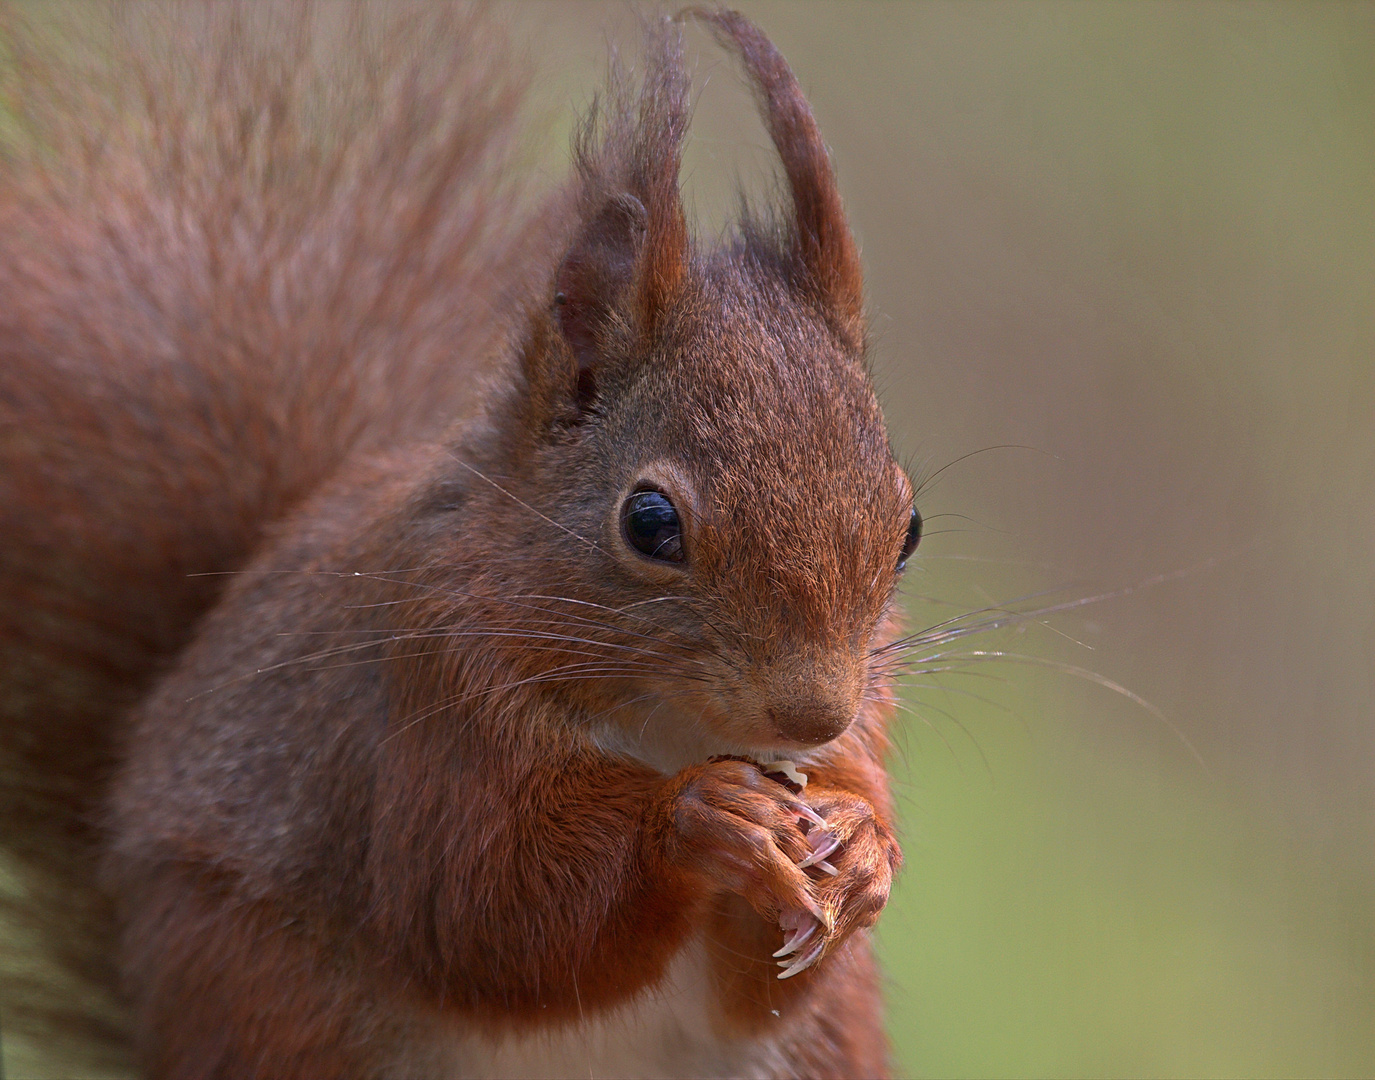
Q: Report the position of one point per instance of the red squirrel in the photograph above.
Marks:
(406, 592)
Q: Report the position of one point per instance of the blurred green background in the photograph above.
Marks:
(1124, 255)
(1139, 240)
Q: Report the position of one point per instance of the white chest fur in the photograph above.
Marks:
(665, 1032)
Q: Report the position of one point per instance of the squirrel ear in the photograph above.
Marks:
(626, 264)
(594, 276)
(823, 248)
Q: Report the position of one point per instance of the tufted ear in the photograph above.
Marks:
(823, 251)
(593, 281)
(626, 263)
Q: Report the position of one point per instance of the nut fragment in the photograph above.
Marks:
(786, 773)
(782, 771)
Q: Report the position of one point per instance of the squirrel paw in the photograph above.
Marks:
(852, 859)
(743, 832)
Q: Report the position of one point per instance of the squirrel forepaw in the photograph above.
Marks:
(857, 854)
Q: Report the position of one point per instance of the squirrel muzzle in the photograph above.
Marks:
(812, 700)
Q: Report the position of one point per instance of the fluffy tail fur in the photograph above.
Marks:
(236, 245)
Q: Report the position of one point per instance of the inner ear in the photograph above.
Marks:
(594, 279)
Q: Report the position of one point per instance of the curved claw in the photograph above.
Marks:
(817, 912)
(806, 813)
(821, 854)
(795, 966)
(796, 940)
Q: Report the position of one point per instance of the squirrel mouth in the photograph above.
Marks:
(781, 771)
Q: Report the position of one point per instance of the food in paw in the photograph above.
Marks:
(782, 771)
(785, 772)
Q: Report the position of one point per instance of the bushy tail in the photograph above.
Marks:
(237, 244)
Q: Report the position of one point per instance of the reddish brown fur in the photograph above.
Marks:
(437, 759)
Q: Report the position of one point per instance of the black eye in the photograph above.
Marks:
(651, 526)
(913, 538)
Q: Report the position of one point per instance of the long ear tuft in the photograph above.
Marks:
(654, 164)
(627, 262)
(823, 246)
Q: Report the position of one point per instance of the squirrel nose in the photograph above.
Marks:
(811, 702)
(810, 724)
(809, 692)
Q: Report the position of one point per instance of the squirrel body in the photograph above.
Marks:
(402, 584)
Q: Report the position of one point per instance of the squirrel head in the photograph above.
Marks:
(700, 477)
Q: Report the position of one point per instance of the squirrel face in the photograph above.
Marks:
(756, 428)
(707, 442)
